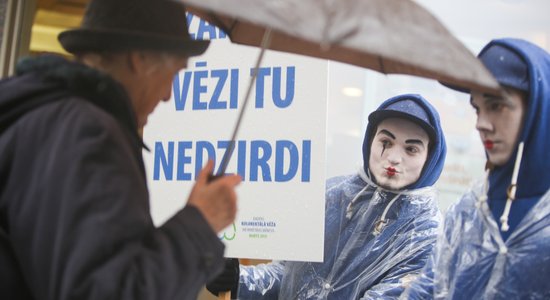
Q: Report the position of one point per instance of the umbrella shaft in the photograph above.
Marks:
(266, 40)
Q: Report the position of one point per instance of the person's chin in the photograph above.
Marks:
(497, 160)
(389, 184)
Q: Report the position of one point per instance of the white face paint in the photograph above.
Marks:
(398, 152)
(499, 123)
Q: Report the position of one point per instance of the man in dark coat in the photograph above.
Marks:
(74, 211)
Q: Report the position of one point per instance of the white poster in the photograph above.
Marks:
(279, 153)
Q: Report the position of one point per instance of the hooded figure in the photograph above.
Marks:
(376, 239)
(496, 239)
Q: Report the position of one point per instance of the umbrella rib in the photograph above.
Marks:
(266, 40)
(221, 25)
(381, 62)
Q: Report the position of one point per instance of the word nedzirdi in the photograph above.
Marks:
(256, 160)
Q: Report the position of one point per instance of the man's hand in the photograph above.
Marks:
(216, 200)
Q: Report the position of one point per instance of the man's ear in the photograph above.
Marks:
(136, 62)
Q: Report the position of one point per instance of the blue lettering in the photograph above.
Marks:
(224, 146)
(199, 88)
(234, 89)
(306, 160)
(190, 18)
(199, 155)
(167, 161)
(203, 27)
(181, 97)
(276, 87)
(214, 102)
(280, 147)
(241, 159)
(260, 83)
(258, 160)
(181, 91)
(183, 160)
(278, 100)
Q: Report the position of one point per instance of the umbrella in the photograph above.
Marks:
(389, 36)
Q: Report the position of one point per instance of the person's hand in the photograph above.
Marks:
(228, 280)
(216, 200)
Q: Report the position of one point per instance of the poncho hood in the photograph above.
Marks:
(438, 149)
(533, 179)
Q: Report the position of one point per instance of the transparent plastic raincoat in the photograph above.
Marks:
(474, 258)
(376, 241)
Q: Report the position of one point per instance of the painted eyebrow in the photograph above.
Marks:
(411, 141)
(386, 132)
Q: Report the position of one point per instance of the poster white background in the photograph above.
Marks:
(275, 220)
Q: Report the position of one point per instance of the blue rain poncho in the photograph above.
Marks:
(376, 241)
(473, 258)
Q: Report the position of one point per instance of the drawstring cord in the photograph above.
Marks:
(348, 209)
(379, 226)
(511, 191)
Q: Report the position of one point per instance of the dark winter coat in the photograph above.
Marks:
(74, 210)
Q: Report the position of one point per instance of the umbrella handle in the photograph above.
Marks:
(224, 295)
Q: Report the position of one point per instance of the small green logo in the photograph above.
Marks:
(230, 237)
